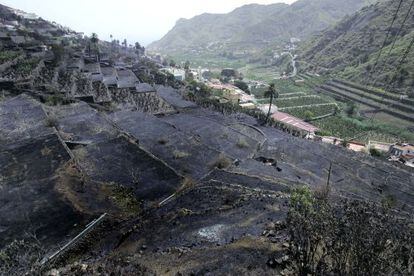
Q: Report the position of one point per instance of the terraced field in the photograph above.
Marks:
(386, 102)
(300, 100)
(315, 111)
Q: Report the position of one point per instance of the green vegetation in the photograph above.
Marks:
(242, 85)
(346, 125)
(25, 66)
(6, 56)
(348, 237)
(57, 99)
(363, 129)
(125, 199)
(271, 93)
(242, 143)
(21, 256)
(374, 152)
(350, 49)
(51, 121)
(247, 31)
(312, 112)
(306, 100)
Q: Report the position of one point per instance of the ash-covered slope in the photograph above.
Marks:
(90, 162)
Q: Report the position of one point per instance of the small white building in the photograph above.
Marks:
(179, 74)
(399, 150)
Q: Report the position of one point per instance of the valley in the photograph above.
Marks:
(222, 153)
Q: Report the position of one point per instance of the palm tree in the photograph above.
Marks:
(94, 38)
(94, 41)
(272, 94)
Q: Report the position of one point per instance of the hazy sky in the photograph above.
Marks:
(136, 20)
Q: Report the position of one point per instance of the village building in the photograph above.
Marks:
(380, 146)
(399, 150)
(265, 108)
(403, 153)
(248, 105)
(179, 74)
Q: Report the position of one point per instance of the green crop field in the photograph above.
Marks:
(313, 112)
(342, 125)
(363, 129)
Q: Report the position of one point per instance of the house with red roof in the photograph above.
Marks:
(294, 122)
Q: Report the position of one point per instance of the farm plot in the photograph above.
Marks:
(377, 92)
(300, 101)
(306, 100)
(343, 94)
(382, 100)
(315, 111)
(347, 128)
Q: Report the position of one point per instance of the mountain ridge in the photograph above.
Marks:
(253, 26)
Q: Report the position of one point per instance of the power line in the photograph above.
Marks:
(386, 37)
(403, 58)
(407, 51)
(395, 40)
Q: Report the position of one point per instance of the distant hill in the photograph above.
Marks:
(253, 26)
(351, 47)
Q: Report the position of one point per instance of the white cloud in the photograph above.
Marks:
(136, 20)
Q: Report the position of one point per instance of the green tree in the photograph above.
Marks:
(272, 94)
(94, 41)
(309, 115)
(94, 38)
(187, 65)
(58, 53)
(242, 85)
(172, 63)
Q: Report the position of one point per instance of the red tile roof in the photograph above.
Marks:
(293, 121)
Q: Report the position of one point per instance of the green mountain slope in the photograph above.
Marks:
(351, 48)
(253, 27)
(205, 30)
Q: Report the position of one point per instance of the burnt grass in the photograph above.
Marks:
(55, 178)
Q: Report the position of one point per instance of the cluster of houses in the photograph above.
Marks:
(26, 30)
(402, 152)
